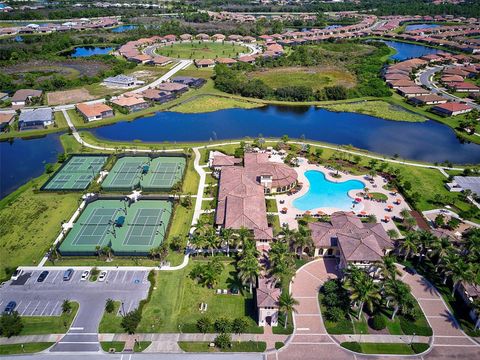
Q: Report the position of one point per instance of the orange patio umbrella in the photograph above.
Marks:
(308, 212)
(399, 200)
(284, 209)
(387, 218)
(363, 213)
(320, 212)
(390, 207)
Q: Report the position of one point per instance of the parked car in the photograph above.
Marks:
(85, 275)
(42, 276)
(102, 276)
(17, 273)
(10, 307)
(67, 275)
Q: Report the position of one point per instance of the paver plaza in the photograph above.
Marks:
(128, 229)
(149, 174)
(77, 173)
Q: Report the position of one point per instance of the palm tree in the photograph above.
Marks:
(446, 262)
(249, 269)
(197, 241)
(302, 239)
(211, 239)
(388, 269)
(363, 290)
(409, 245)
(228, 236)
(439, 249)
(243, 236)
(425, 239)
(287, 305)
(397, 293)
(460, 271)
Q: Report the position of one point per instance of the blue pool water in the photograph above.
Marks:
(22, 160)
(408, 51)
(87, 51)
(420, 26)
(327, 194)
(123, 28)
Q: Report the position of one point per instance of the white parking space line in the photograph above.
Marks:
(116, 275)
(123, 280)
(54, 307)
(130, 306)
(56, 275)
(45, 308)
(26, 307)
(145, 277)
(35, 308)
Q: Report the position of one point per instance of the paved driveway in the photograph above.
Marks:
(45, 299)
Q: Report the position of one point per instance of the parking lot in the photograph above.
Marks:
(45, 298)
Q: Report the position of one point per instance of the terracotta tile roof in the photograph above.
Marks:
(24, 94)
(128, 101)
(257, 164)
(225, 160)
(452, 107)
(267, 293)
(6, 117)
(91, 110)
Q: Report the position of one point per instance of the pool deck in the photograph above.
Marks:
(379, 209)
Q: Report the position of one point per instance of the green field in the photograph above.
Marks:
(28, 348)
(379, 109)
(201, 50)
(203, 346)
(36, 325)
(313, 77)
(208, 103)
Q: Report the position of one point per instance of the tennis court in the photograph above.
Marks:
(77, 173)
(134, 172)
(128, 229)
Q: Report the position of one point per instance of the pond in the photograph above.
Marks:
(420, 26)
(323, 193)
(86, 51)
(123, 28)
(407, 51)
(22, 160)
(426, 141)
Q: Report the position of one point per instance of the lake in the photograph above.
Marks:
(123, 28)
(427, 141)
(22, 160)
(407, 51)
(420, 26)
(86, 51)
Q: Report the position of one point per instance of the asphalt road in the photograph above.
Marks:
(45, 299)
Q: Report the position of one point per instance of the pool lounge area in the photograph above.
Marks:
(322, 194)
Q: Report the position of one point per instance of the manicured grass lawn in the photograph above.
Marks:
(272, 205)
(117, 345)
(111, 322)
(27, 348)
(36, 325)
(203, 346)
(60, 120)
(313, 77)
(208, 103)
(190, 183)
(201, 50)
(31, 222)
(180, 226)
(379, 109)
(379, 348)
(141, 346)
(378, 196)
(360, 326)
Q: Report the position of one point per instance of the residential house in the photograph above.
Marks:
(431, 99)
(226, 61)
(92, 112)
(451, 109)
(267, 301)
(464, 87)
(35, 119)
(469, 294)
(189, 81)
(161, 60)
(247, 59)
(173, 87)
(350, 240)
(122, 81)
(204, 63)
(24, 96)
(159, 96)
(141, 59)
(6, 119)
(131, 103)
(217, 161)
(412, 91)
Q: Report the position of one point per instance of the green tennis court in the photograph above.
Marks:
(77, 173)
(128, 229)
(148, 174)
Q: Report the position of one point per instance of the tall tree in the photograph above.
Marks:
(287, 305)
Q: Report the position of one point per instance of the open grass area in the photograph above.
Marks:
(209, 103)
(383, 348)
(203, 346)
(314, 77)
(37, 325)
(201, 50)
(180, 226)
(271, 205)
(379, 109)
(111, 322)
(175, 302)
(31, 222)
(28, 348)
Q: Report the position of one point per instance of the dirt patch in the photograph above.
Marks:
(68, 96)
(143, 74)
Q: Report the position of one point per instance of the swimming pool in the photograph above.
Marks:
(327, 194)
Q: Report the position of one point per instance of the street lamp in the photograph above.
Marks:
(123, 309)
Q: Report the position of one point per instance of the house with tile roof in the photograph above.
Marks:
(267, 301)
(350, 240)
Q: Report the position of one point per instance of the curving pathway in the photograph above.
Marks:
(311, 341)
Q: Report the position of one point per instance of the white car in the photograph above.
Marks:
(17, 274)
(102, 276)
(85, 275)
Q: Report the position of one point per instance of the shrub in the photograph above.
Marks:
(109, 306)
(378, 322)
(223, 341)
(239, 325)
(331, 286)
(278, 345)
(204, 324)
(10, 324)
(331, 300)
(353, 346)
(222, 325)
(334, 314)
(419, 348)
(66, 306)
